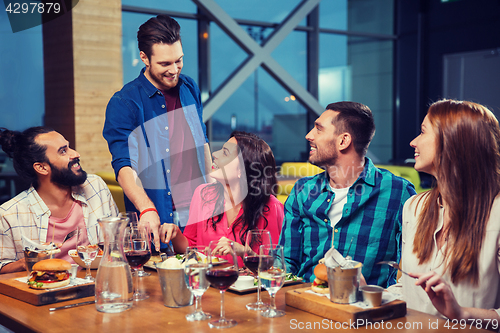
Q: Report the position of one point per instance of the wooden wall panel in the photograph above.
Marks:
(96, 74)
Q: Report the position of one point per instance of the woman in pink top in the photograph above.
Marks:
(240, 200)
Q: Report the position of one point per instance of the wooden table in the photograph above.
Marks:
(152, 316)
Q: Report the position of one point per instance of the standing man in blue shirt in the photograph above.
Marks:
(353, 205)
(155, 131)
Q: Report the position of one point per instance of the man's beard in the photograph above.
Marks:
(157, 77)
(66, 177)
(325, 161)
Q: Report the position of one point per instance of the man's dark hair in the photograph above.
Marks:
(357, 120)
(25, 151)
(161, 29)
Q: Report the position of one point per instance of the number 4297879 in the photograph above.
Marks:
(33, 8)
(455, 324)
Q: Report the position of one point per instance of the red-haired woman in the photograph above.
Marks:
(451, 234)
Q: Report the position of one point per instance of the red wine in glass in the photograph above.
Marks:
(137, 259)
(222, 279)
(252, 263)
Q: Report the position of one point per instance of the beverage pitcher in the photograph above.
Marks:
(113, 285)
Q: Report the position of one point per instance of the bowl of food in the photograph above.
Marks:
(244, 282)
(94, 265)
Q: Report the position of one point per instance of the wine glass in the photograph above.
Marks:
(254, 239)
(196, 281)
(222, 273)
(272, 271)
(137, 248)
(86, 251)
(133, 220)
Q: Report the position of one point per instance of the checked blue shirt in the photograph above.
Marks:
(371, 218)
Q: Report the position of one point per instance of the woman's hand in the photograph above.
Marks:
(224, 248)
(168, 232)
(440, 294)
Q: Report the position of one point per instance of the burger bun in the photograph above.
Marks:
(52, 265)
(320, 272)
(320, 283)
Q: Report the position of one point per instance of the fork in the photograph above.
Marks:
(68, 236)
(394, 265)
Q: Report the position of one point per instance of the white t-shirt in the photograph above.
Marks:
(335, 213)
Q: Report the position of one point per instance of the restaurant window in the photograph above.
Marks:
(358, 65)
(355, 63)
(182, 6)
(261, 105)
(21, 82)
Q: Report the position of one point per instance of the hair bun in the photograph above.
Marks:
(7, 141)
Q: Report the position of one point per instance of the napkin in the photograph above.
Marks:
(333, 258)
(34, 246)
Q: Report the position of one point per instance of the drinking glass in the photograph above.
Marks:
(222, 273)
(255, 238)
(196, 281)
(272, 271)
(86, 251)
(137, 248)
(133, 220)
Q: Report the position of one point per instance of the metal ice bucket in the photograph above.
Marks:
(32, 257)
(343, 282)
(174, 288)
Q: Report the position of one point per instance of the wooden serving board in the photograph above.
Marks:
(321, 306)
(21, 291)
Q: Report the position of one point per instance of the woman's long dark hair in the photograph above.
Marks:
(467, 163)
(260, 169)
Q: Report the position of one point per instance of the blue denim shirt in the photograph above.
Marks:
(137, 132)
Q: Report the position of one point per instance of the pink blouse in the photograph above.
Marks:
(199, 233)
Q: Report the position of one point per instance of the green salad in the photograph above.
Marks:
(288, 277)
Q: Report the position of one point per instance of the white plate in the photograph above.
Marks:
(74, 255)
(151, 262)
(254, 288)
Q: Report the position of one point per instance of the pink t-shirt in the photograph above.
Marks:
(59, 228)
(199, 233)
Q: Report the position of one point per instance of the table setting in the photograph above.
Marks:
(187, 293)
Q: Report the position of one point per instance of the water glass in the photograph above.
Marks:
(272, 272)
(196, 281)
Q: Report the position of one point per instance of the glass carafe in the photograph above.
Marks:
(113, 283)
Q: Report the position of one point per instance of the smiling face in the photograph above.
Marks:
(164, 66)
(322, 139)
(226, 162)
(63, 161)
(425, 148)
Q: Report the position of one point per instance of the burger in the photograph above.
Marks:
(320, 283)
(49, 273)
